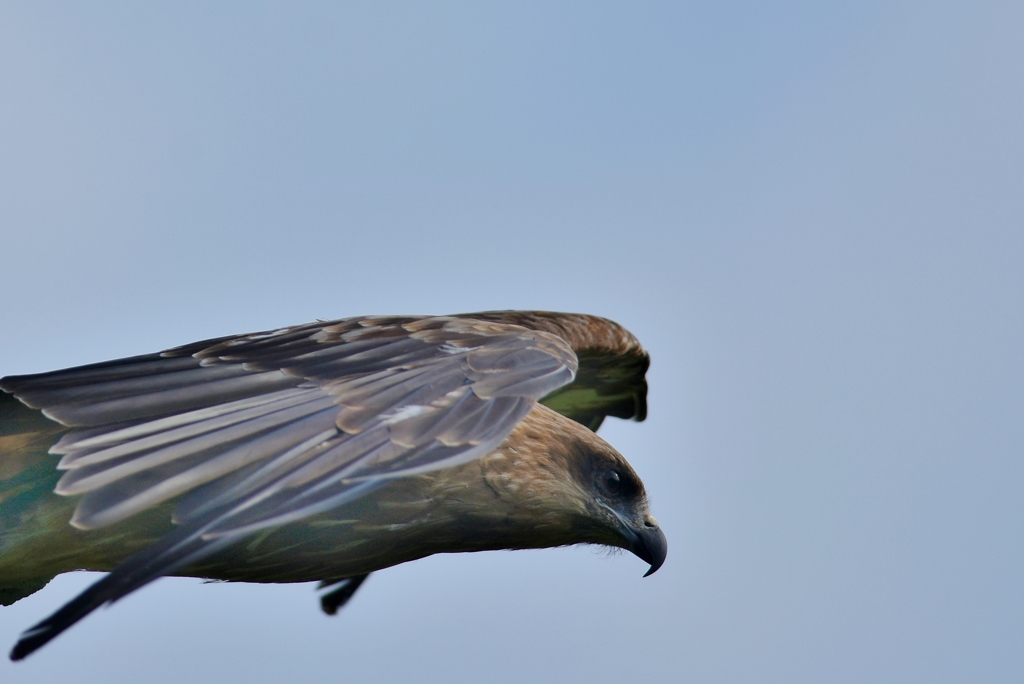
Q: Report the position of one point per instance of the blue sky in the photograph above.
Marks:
(811, 215)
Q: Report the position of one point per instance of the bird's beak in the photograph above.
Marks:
(650, 546)
(647, 542)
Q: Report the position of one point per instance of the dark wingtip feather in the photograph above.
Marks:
(42, 633)
(173, 551)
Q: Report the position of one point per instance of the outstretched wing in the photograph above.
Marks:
(261, 430)
(300, 415)
(612, 364)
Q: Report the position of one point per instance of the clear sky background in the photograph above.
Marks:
(812, 216)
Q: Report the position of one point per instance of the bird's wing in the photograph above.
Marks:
(612, 363)
(268, 428)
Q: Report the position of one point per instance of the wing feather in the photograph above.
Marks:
(96, 474)
(182, 475)
(612, 365)
(107, 435)
(123, 442)
(162, 402)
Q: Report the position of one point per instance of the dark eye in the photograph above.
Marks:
(611, 482)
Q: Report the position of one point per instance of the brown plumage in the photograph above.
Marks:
(321, 452)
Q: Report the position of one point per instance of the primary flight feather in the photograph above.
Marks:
(320, 452)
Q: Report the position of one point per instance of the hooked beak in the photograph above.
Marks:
(650, 546)
(648, 543)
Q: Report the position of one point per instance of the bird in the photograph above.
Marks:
(322, 453)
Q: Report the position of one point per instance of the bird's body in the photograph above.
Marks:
(494, 502)
(427, 438)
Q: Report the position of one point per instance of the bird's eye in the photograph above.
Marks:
(611, 482)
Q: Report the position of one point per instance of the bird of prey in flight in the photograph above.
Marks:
(320, 452)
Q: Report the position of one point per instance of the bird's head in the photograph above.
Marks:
(565, 485)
